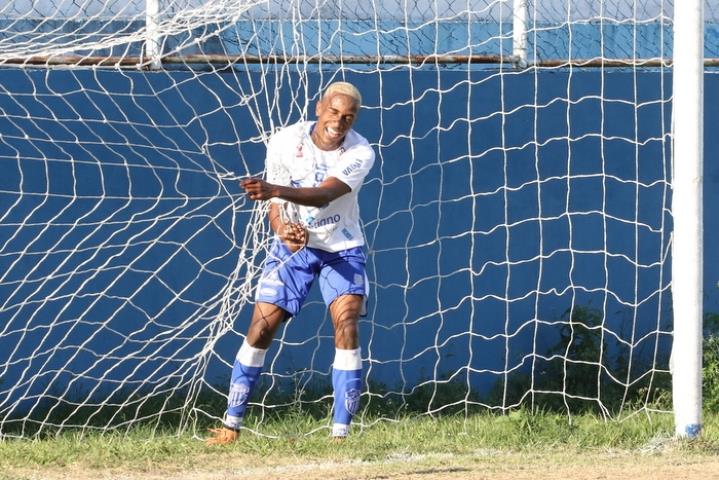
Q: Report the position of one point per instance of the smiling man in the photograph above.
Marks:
(314, 173)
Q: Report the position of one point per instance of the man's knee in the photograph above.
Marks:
(347, 326)
(347, 333)
(265, 320)
(259, 336)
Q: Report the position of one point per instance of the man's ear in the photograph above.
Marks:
(318, 107)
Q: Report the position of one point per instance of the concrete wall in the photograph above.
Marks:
(117, 232)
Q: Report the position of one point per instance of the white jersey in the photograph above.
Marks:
(293, 160)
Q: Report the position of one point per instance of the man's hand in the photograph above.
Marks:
(294, 235)
(258, 189)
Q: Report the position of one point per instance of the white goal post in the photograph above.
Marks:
(534, 240)
(688, 248)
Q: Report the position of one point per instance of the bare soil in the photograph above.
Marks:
(489, 465)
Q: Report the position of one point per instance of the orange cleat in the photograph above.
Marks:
(222, 436)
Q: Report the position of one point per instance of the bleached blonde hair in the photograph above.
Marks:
(344, 88)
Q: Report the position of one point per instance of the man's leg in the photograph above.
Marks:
(266, 318)
(283, 287)
(347, 367)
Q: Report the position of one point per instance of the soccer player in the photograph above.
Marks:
(315, 170)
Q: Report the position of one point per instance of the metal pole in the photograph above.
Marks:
(519, 33)
(153, 45)
(687, 211)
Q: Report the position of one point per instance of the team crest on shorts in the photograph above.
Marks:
(238, 394)
(358, 279)
(352, 400)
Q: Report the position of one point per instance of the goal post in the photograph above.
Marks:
(519, 32)
(533, 219)
(687, 205)
(153, 42)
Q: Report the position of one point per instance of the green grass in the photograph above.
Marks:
(142, 448)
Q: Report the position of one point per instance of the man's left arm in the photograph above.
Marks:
(330, 189)
(348, 175)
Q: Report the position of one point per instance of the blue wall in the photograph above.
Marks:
(119, 229)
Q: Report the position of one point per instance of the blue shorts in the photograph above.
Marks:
(287, 278)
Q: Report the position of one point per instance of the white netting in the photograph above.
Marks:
(517, 218)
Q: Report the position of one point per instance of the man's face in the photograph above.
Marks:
(335, 116)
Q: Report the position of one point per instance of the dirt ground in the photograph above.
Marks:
(610, 465)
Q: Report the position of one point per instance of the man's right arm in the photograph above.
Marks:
(292, 234)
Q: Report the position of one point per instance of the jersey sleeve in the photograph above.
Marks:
(276, 171)
(354, 165)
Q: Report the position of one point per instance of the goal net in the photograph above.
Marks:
(517, 217)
